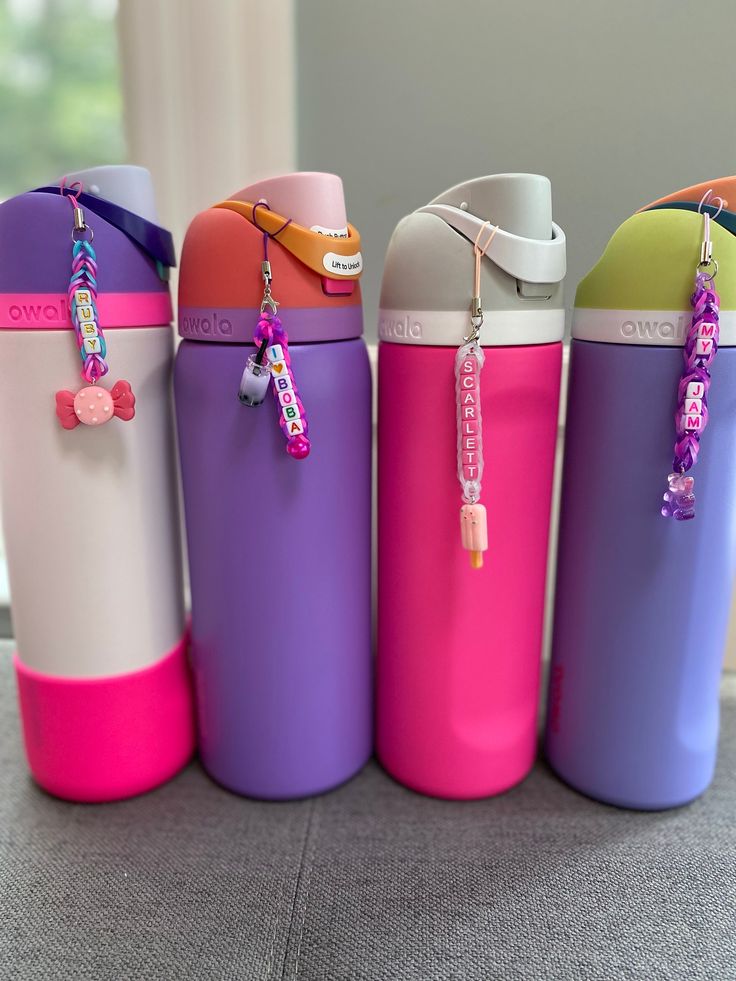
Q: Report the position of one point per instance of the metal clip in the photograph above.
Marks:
(706, 253)
(79, 222)
(476, 320)
(268, 302)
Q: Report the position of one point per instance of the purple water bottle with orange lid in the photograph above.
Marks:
(471, 325)
(273, 399)
(88, 485)
(648, 523)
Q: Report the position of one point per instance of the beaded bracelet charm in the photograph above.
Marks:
(91, 405)
(691, 415)
(272, 363)
(468, 363)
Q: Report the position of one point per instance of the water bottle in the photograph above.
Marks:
(89, 510)
(643, 599)
(277, 486)
(460, 627)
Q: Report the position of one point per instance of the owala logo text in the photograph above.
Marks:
(652, 329)
(39, 312)
(405, 328)
(207, 325)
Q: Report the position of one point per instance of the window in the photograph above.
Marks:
(60, 100)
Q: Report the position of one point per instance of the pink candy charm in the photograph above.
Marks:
(94, 406)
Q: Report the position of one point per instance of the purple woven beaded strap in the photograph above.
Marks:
(691, 415)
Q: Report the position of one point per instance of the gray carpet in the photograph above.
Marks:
(369, 882)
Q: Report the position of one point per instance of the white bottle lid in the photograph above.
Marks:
(126, 185)
(428, 275)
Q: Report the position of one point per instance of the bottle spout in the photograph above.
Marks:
(518, 203)
(314, 200)
(126, 185)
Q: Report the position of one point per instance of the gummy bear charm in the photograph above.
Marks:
(93, 406)
(679, 499)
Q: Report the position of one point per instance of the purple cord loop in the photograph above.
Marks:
(266, 234)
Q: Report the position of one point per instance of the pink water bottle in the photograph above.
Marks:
(471, 325)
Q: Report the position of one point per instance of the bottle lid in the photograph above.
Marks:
(428, 274)
(721, 187)
(639, 290)
(220, 282)
(36, 249)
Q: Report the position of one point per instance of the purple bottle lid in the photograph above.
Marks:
(35, 264)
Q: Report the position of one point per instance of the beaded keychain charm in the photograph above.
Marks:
(701, 344)
(468, 363)
(91, 405)
(272, 363)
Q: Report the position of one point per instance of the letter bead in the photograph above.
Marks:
(704, 348)
(290, 412)
(693, 406)
(283, 383)
(694, 390)
(275, 353)
(690, 422)
(85, 314)
(470, 442)
(91, 345)
(469, 366)
(470, 472)
(706, 329)
(294, 427)
(287, 397)
(82, 297)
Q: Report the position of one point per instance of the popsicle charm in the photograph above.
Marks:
(474, 532)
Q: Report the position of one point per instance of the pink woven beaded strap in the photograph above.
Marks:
(292, 415)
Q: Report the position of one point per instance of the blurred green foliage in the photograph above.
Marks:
(60, 100)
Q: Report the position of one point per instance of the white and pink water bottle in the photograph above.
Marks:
(88, 485)
(471, 325)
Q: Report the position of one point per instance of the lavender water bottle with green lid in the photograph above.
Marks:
(648, 515)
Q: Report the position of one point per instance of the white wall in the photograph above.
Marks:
(618, 103)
